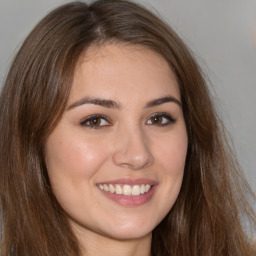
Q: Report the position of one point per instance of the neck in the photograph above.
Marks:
(94, 244)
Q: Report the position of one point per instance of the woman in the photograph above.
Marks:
(110, 143)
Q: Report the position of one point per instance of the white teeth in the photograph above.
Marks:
(148, 187)
(119, 190)
(142, 189)
(126, 189)
(111, 188)
(106, 188)
(136, 190)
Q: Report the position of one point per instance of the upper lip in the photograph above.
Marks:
(129, 181)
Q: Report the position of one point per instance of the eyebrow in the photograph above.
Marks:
(163, 100)
(96, 101)
(113, 104)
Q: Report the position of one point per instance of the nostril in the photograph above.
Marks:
(132, 150)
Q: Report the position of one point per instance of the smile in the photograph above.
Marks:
(129, 192)
(125, 189)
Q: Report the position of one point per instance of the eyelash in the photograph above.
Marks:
(169, 119)
(93, 118)
(98, 118)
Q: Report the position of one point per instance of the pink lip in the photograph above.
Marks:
(130, 201)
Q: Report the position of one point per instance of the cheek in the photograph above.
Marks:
(72, 162)
(171, 153)
(171, 156)
(71, 156)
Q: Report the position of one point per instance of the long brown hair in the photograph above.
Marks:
(207, 216)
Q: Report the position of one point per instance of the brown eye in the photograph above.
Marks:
(95, 122)
(156, 120)
(161, 120)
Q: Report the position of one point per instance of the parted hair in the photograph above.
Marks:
(214, 201)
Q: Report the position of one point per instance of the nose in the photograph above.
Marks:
(132, 150)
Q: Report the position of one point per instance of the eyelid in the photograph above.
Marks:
(100, 116)
(169, 117)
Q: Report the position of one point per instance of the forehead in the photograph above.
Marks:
(115, 70)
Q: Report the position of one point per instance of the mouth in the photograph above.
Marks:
(128, 193)
(126, 189)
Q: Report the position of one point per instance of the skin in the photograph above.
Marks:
(126, 143)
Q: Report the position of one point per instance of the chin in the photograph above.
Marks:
(129, 231)
(129, 234)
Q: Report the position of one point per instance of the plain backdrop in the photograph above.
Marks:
(222, 35)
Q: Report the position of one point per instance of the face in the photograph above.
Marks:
(116, 158)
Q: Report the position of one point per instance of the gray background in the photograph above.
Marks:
(221, 33)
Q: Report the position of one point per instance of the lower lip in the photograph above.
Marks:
(131, 200)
